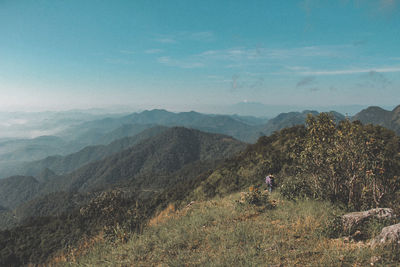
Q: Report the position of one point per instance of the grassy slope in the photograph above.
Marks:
(218, 232)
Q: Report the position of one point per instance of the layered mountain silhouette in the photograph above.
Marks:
(172, 155)
(65, 164)
(158, 163)
(222, 124)
(153, 158)
(285, 120)
(106, 135)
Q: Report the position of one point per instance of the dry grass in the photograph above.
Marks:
(222, 233)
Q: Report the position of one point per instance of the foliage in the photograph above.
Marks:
(17, 190)
(215, 233)
(334, 227)
(346, 163)
(269, 155)
(39, 238)
(71, 162)
(256, 197)
(349, 162)
(295, 187)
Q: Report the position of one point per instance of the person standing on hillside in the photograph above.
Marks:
(270, 181)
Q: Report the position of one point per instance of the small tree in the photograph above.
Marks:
(346, 162)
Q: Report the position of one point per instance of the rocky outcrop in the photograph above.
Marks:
(355, 220)
(388, 235)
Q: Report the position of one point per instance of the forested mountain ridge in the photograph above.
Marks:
(161, 155)
(155, 162)
(174, 158)
(107, 130)
(378, 116)
(223, 124)
(190, 177)
(68, 163)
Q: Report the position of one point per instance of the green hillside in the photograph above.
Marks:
(102, 137)
(17, 190)
(380, 116)
(71, 162)
(151, 159)
(218, 230)
(221, 232)
(149, 173)
(330, 167)
(290, 119)
(169, 156)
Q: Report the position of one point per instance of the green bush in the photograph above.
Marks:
(256, 197)
(295, 187)
(348, 162)
(334, 228)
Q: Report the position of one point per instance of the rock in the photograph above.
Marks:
(354, 220)
(388, 235)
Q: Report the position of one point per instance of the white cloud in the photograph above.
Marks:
(387, 5)
(128, 52)
(166, 60)
(254, 54)
(375, 6)
(350, 71)
(297, 68)
(119, 61)
(153, 51)
(206, 36)
(166, 40)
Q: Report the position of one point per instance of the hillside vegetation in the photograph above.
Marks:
(100, 138)
(71, 162)
(347, 163)
(325, 166)
(123, 189)
(222, 232)
(154, 158)
(325, 169)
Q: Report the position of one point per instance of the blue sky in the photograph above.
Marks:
(188, 54)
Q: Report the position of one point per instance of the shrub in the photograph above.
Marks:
(256, 197)
(349, 162)
(295, 187)
(334, 228)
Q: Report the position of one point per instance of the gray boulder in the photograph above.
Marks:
(388, 235)
(354, 221)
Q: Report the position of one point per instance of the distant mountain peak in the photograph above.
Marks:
(396, 110)
(379, 116)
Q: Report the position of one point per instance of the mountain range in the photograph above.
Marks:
(91, 140)
(147, 163)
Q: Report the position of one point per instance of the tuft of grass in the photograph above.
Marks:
(217, 233)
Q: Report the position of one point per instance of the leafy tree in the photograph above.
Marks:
(348, 162)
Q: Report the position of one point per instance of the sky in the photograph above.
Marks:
(187, 54)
